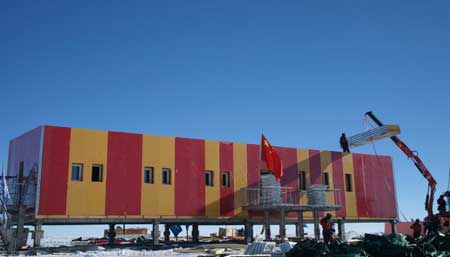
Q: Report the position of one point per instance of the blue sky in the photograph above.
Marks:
(302, 72)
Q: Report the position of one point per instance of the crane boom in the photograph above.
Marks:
(418, 163)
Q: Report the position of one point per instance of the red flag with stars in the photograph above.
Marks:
(271, 157)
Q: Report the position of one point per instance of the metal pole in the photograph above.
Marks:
(267, 225)
(282, 224)
(316, 225)
(300, 230)
(155, 233)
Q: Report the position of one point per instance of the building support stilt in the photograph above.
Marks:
(37, 233)
(267, 235)
(166, 233)
(316, 225)
(341, 230)
(155, 232)
(112, 233)
(248, 232)
(195, 233)
(394, 226)
(282, 225)
(300, 231)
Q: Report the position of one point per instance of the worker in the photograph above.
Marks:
(441, 204)
(344, 143)
(327, 229)
(417, 228)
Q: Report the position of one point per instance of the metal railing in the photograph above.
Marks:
(273, 196)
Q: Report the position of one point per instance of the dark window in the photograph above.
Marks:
(77, 172)
(348, 183)
(209, 178)
(302, 180)
(148, 175)
(226, 179)
(97, 173)
(166, 176)
(325, 179)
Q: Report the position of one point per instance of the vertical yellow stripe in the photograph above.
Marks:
(240, 177)
(212, 193)
(350, 197)
(326, 167)
(158, 199)
(87, 198)
(303, 165)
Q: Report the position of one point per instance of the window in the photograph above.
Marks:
(148, 175)
(209, 178)
(348, 183)
(302, 180)
(97, 173)
(77, 172)
(226, 179)
(166, 176)
(325, 179)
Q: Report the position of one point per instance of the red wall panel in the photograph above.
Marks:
(338, 180)
(360, 190)
(226, 193)
(123, 180)
(290, 173)
(189, 177)
(314, 165)
(253, 159)
(55, 167)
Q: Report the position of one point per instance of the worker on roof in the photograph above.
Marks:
(327, 229)
(441, 204)
(344, 143)
(417, 228)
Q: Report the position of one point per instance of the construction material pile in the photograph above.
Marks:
(396, 245)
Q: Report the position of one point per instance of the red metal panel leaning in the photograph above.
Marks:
(123, 180)
(226, 192)
(55, 167)
(338, 181)
(189, 177)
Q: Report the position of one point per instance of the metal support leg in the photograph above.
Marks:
(282, 225)
(195, 233)
(38, 233)
(341, 230)
(267, 226)
(394, 226)
(166, 233)
(112, 233)
(316, 225)
(300, 231)
(155, 232)
(248, 232)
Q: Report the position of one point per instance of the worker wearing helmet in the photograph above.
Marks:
(417, 228)
(327, 229)
(344, 143)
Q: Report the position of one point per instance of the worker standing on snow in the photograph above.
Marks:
(417, 228)
(441, 204)
(344, 143)
(327, 229)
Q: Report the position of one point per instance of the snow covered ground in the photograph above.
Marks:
(120, 252)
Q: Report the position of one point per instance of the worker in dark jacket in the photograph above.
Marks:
(344, 143)
(441, 204)
(417, 228)
(327, 229)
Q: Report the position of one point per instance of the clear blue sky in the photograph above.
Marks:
(301, 72)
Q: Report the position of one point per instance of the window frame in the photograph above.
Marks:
(169, 172)
(225, 182)
(209, 174)
(326, 179)
(101, 172)
(80, 173)
(302, 178)
(151, 176)
(348, 182)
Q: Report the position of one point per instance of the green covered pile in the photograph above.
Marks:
(396, 245)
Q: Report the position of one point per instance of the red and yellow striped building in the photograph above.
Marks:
(123, 192)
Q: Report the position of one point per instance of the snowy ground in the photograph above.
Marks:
(120, 252)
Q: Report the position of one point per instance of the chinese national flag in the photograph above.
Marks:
(271, 157)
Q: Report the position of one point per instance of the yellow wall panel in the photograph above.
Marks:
(303, 165)
(350, 197)
(158, 199)
(326, 167)
(212, 193)
(240, 178)
(87, 147)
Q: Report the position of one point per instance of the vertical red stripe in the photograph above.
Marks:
(391, 211)
(361, 200)
(290, 174)
(314, 166)
(55, 165)
(123, 180)
(253, 173)
(338, 181)
(226, 193)
(189, 177)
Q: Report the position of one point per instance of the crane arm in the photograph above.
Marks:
(418, 163)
